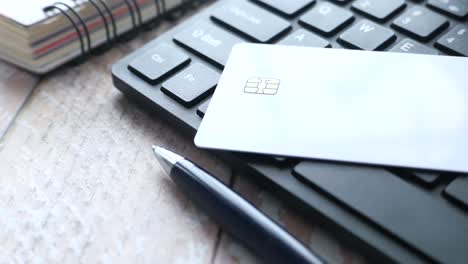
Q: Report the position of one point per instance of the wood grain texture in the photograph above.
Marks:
(312, 235)
(80, 183)
(15, 87)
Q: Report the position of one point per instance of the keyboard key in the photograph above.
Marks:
(379, 9)
(455, 8)
(302, 37)
(410, 46)
(281, 162)
(192, 85)
(386, 200)
(458, 190)
(367, 35)
(158, 63)
(424, 178)
(208, 41)
(455, 42)
(327, 18)
(421, 23)
(287, 8)
(251, 21)
(201, 111)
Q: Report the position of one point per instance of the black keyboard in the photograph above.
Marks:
(393, 215)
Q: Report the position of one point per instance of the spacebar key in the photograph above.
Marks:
(407, 212)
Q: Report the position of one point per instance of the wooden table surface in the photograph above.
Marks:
(79, 183)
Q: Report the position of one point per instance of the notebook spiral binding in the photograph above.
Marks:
(112, 19)
(109, 21)
(106, 26)
(58, 6)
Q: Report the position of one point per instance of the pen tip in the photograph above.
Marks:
(155, 148)
(166, 157)
(159, 151)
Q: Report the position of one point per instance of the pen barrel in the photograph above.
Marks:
(238, 217)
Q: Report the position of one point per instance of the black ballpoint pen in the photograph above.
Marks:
(237, 216)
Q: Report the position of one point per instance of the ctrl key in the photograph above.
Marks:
(158, 63)
(191, 85)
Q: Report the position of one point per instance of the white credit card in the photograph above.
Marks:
(374, 108)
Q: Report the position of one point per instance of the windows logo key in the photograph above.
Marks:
(260, 85)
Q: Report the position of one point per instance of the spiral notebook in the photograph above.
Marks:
(41, 35)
